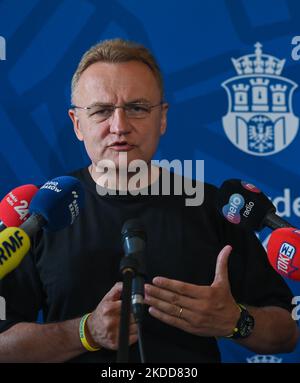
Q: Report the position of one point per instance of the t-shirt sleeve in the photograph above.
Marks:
(22, 292)
(256, 282)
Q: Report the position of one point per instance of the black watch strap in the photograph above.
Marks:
(244, 326)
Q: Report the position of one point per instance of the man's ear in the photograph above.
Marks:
(163, 124)
(76, 124)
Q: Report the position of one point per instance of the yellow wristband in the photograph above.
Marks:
(82, 335)
(235, 330)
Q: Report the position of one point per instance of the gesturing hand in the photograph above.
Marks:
(200, 310)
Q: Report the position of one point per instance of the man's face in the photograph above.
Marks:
(118, 84)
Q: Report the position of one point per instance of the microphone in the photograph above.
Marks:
(14, 245)
(283, 251)
(242, 203)
(55, 205)
(134, 245)
(14, 207)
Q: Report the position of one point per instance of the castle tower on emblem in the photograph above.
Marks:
(260, 119)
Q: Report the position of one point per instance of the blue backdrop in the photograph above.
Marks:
(194, 42)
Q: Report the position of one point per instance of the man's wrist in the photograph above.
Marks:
(85, 334)
(244, 325)
(89, 332)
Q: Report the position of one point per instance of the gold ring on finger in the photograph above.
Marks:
(180, 312)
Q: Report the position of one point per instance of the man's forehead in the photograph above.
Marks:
(118, 75)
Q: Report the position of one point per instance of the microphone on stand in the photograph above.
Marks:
(132, 267)
(134, 245)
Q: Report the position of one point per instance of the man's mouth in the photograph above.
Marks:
(121, 146)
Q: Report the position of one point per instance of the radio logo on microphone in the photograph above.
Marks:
(52, 185)
(74, 207)
(231, 211)
(285, 259)
(287, 250)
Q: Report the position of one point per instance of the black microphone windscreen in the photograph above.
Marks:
(242, 203)
(133, 228)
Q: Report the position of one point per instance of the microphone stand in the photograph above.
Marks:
(138, 308)
(128, 267)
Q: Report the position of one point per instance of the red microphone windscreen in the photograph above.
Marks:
(283, 251)
(14, 207)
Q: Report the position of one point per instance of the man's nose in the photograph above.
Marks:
(119, 123)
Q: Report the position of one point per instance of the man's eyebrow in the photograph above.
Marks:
(138, 101)
(135, 101)
(98, 103)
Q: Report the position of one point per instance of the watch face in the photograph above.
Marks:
(246, 324)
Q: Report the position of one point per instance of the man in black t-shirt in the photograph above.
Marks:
(198, 289)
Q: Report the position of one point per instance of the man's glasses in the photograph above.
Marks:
(101, 112)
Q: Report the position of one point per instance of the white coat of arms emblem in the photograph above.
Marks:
(260, 120)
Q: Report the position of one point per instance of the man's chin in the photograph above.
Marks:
(123, 161)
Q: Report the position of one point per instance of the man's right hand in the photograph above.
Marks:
(104, 322)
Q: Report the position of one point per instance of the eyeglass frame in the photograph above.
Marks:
(114, 107)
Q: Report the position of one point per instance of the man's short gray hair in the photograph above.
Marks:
(117, 51)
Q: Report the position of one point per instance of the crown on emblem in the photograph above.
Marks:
(258, 63)
(264, 359)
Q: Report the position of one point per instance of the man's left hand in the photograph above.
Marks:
(200, 310)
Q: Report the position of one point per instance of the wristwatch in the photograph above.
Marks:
(244, 326)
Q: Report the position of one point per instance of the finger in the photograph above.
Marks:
(114, 293)
(181, 288)
(221, 273)
(132, 339)
(133, 329)
(169, 319)
(179, 312)
(153, 293)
